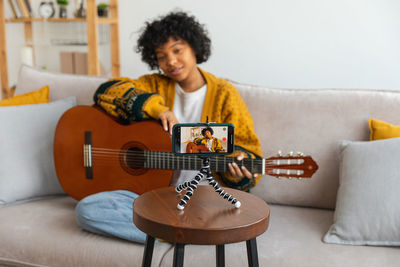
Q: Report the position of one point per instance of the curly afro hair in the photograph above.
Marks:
(203, 132)
(177, 25)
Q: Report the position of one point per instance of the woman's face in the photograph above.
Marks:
(177, 60)
(207, 134)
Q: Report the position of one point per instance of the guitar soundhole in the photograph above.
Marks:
(132, 159)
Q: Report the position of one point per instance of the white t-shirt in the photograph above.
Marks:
(188, 106)
(187, 109)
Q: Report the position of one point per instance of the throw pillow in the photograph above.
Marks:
(35, 97)
(382, 130)
(367, 208)
(27, 167)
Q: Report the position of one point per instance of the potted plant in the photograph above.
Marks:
(63, 8)
(80, 11)
(102, 9)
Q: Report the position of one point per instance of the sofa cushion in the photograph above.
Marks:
(35, 97)
(27, 166)
(367, 209)
(61, 85)
(313, 121)
(293, 239)
(382, 130)
(45, 233)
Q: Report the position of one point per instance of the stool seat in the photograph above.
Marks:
(207, 219)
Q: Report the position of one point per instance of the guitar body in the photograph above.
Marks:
(110, 169)
(193, 148)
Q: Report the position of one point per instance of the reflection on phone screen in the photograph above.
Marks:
(204, 139)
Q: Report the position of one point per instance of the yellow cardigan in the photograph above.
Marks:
(150, 95)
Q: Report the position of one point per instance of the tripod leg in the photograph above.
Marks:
(183, 186)
(190, 186)
(186, 197)
(221, 192)
(187, 184)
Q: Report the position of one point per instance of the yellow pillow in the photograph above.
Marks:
(382, 130)
(35, 97)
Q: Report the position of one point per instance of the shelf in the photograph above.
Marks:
(92, 21)
(23, 19)
(99, 20)
(107, 21)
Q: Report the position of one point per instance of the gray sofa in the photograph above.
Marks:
(40, 230)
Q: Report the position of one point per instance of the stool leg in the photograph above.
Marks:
(220, 252)
(148, 251)
(252, 255)
(179, 252)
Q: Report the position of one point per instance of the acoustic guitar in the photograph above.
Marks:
(93, 153)
(193, 148)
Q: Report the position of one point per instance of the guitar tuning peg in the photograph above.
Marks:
(300, 154)
(279, 153)
(290, 154)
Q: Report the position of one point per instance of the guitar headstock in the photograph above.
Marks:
(290, 166)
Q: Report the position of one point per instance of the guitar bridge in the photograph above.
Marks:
(87, 155)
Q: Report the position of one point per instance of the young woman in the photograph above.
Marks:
(174, 44)
(212, 144)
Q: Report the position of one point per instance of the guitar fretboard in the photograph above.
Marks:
(167, 160)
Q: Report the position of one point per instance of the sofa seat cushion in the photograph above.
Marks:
(294, 239)
(45, 233)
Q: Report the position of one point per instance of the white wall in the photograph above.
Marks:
(284, 43)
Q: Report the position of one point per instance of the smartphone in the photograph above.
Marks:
(203, 139)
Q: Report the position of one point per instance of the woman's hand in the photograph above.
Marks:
(168, 120)
(240, 172)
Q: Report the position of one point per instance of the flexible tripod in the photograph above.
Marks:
(191, 185)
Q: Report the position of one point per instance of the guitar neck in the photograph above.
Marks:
(167, 160)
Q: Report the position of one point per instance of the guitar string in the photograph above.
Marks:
(105, 160)
(194, 161)
(164, 155)
(106, 154)
(268, 170)
(139, 156)
(108, 150)
(218, 163)
(189, 162)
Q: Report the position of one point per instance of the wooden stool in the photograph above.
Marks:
(207, 219)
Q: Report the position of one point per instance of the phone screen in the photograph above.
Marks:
(215, 138)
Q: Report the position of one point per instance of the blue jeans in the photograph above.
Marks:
(109, 214)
